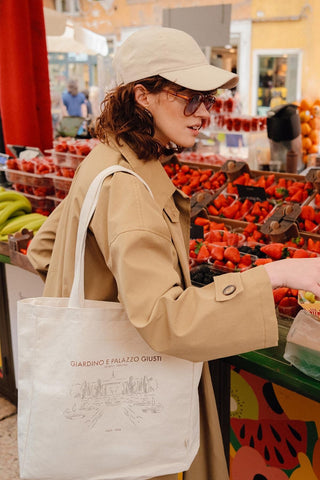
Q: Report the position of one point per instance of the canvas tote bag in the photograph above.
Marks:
(95, 402)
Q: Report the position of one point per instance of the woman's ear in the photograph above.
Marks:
(141, 95)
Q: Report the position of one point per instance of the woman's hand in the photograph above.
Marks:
(297, 273)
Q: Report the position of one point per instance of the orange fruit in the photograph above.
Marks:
(317, 101)
(305, 116)
(315, 123)
(315, 110)
(304, 104)
(305, 128)
(314, 136)
(313, 149)
(306, 143)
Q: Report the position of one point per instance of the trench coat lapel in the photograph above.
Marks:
(180, 236)
(174, 202)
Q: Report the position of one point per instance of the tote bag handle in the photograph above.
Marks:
(88, 207)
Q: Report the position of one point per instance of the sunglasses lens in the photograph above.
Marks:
(209, 102)
(193, 104)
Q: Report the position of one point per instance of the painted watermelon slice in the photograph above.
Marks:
(278, 442)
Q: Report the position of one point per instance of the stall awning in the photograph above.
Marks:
(25, 102)
(55, 22)
(64, 36)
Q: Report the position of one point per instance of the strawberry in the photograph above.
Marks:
(313, 245)
(262, 261)
(280, 192)
(218, 263)
(216, 226)
(186, 189)
(309, 225)
(307, 212)
(201, 221)
(246, 260)
(317, 199)
(271, 190)
(212, 210)
(230, 211)
(300, 254)
(276, 251)
(203, 254)
(279, 293)
(293, 292)
(297, 197)
(232, 254)
(250, 228)
(289, 306)
(230, 265)
(217, 252)
(242, 266)
(232, 239)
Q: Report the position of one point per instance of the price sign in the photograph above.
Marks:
(249, 191)
(3, 158)
(196, 231)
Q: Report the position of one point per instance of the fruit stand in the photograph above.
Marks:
(253, 217)
(241, 218)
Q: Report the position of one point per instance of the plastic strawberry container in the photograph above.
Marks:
(74, 160)
(56, 201)
(31, 179)
(225, 269)
(228, 238)
(59, 157)
(40, 203)
(64, 171)
(61, 185)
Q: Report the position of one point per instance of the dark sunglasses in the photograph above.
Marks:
(194, 102)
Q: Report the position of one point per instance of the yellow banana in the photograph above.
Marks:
(15, 224)
(10, 209)
(18, 213)
(5, 203)
(35, 224)
(11, 195)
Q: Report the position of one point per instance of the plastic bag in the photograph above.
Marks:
(303, 344)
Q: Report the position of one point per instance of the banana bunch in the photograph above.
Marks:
(15, 214)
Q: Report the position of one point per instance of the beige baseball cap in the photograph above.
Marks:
(172, 54)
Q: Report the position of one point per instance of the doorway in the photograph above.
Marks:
(276, 78)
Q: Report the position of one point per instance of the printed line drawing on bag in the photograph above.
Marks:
(119, 402)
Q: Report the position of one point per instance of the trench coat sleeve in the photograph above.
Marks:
(41, 246)
(197, 324)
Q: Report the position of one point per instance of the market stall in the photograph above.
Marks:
(241, 217)
(249, 217)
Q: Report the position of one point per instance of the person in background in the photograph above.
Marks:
(88, 103)
(74, 102)
(137, 247)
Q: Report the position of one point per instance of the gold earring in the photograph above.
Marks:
(148, 113)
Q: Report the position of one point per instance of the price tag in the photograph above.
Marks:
(249, 191)
(3, 158)
(196, 231)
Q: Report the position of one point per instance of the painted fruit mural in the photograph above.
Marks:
(275, 433)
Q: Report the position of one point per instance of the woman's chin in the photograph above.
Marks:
(186, 142)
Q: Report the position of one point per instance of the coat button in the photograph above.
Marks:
(229, 290)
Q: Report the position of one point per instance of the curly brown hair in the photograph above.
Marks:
(126, 120)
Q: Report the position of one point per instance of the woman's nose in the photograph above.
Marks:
(202, 111)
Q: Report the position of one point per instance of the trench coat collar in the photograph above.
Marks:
(152, 173)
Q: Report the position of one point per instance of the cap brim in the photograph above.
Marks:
(202, 78)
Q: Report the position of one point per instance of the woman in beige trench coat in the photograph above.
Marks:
(137, 247)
